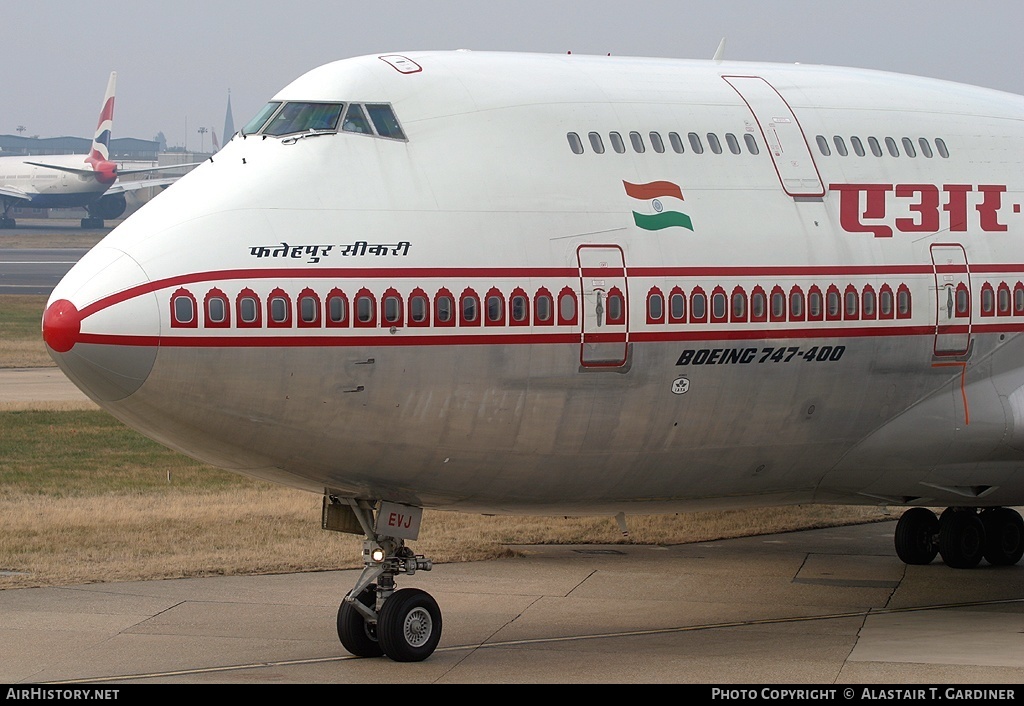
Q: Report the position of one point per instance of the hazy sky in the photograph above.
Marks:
(176, 60)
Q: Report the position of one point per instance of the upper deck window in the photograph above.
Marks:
(254, 125)
(385, 121)
(303, 117)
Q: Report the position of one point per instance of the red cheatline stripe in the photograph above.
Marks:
(653, 190)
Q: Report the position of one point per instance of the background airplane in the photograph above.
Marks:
(75, 181)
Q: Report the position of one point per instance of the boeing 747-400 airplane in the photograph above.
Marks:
(564, 284)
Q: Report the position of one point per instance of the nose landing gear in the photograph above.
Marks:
(375, 619)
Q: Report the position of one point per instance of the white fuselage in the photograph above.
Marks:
(791, 284)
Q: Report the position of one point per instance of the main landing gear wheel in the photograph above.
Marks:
(1004, 536)
(357, 634)
(961, 538)
(409, 626)
(916, 534)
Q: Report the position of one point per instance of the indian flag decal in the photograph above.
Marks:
(655, 191)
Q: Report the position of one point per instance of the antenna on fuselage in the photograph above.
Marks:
(720, 52)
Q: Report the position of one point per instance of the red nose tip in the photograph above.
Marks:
(62, 323)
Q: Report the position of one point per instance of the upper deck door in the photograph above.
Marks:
(783, 135)
(605, 306)
(952, 300)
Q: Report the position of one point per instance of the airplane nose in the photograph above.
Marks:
(102, 325)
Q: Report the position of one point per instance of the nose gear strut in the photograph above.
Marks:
(374, 618)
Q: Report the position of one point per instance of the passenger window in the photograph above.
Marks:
(574, 143)
(695, 144)
(832, 302)
(1004, 300)
(676, 142)
(940, 145)
(656, 143)
(637, 142)
(248, 310)
(364, 309)
(655, 308)
(392, 310)
(184, 310)
(876, 149)
(596, 143)
(840, 145)
(544, 306)
(858, 146)
(355, 120)
(519, 308)
(903, 302)
(851, 304)
(714, 144)
(566, 307)
(758, 305)
(823, 145)
(890, 144)
(616, 308)
(869, 303)
(796, 305)
(385, 121)
(617, 144)
(739, 306)
(963, 301)
(734, 144)
(216, 310)
(418, 309)
(495, 309)
(279, 310)
(926, 149)
(908, 147)
(677, 306)
(814, 305)
(337, 310)
(751, 143)
(699, 306)
(309, 309)
(885, 302)
(718, 306)
(445, 307)
(469, 309)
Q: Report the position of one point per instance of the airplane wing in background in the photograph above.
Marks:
(11, 192)
(122, 186)
(119, 172)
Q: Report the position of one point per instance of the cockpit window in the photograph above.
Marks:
(254, 125)
(355, 120)
(303, 117)
(384, 120)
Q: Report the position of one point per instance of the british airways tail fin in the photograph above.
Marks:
(99, 155)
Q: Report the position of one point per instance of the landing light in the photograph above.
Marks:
(377, 554)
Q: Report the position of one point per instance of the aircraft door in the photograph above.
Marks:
(952, 300)
(782, 133)
(605, 306)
